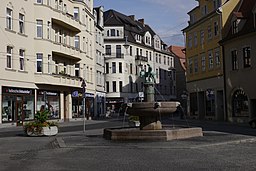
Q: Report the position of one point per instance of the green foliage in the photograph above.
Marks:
(133, 118)
(40, 122)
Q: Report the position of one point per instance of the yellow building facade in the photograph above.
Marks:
(205, 81)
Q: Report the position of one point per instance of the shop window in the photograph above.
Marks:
(240, 104)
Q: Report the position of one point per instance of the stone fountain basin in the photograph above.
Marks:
(152, 108)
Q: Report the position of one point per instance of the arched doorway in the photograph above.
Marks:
(240, 104)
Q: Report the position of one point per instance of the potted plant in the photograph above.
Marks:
(41, 126)
(134, 121)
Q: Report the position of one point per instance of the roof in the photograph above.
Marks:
(245, 12)
(131, 26)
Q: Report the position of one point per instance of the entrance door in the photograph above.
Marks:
(19, 111)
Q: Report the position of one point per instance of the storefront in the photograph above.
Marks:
(77, 105)
(114, 105)
(49, 100)
(18, 105)
(100, 107)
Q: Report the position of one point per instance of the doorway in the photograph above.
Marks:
(19, 111)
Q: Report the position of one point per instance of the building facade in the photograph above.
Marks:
(44, 59)
(130, 45)
(239, 51)
(205, 80)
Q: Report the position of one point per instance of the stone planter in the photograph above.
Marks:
(134, 123)
(46, 131)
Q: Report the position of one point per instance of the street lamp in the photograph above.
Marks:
(83, 85)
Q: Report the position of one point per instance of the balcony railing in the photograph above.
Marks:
(141, 58)
(114, 55)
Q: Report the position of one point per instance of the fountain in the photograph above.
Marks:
(150, 113)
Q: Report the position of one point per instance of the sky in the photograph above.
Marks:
(166, 17)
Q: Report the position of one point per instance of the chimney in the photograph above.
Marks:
(132, 17)
(141, 20)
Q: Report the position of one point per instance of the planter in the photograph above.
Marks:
(134, 123)
(46, 131)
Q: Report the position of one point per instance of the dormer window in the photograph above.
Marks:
(235, 27)
(138, 38)
(112, 32)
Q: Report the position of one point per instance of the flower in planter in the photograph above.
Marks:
(36, 126)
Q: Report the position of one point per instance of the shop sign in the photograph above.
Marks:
(48, 93)
(17, 90)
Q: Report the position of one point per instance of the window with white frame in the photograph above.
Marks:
(112, 32)
(77, 44)
(76, 13)
(217, 57)
(22, 61)
(247, 57)
(9, 18)
(21, 23)
(113, 67)
(39, 62)
(210, 59)
(9, 57)
(60, 36)
(203, 61)
(39, 28)
(234, 60)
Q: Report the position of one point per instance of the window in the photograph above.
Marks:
(21, 24)
(48, 29)
(9, 57)
(150, 56)
(164, 60)
(131, 68)
(203, 61)
(113, 67)
(209, 32)
(107, 68)
(190, 41)
(120, 86)
(108, 49)
(39, 28)
(201, 36)
(216, 4)
(204, 10)
(157, 74)
(196, 64)
(76, 13)
(210, 59)
(22, 55)
(247, 57)
(120, 67)
(107, 86)
(195, 39)
(117, 33)
(9, 18)
(49, 64)
(118, 51)
(39, 62)
(235, 27)
(39, 1)
(112, 32)
(60, 36)
(114, 86)
(130, 50)
(77, 44)
(216, 28)
(190, 66)
(217, 57)
(234, 60)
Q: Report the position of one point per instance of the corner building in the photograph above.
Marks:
(47, 48)
(130, 45)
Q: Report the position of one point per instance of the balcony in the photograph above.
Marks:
(58, 80)
(114, 55)
(141, 58)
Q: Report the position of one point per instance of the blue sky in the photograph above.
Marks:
(166, 17)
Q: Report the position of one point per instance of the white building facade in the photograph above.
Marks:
(129, 46)
(47, 48)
